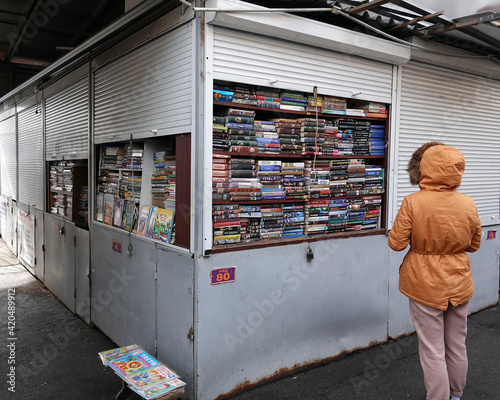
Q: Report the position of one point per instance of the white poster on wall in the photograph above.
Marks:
(26, 237)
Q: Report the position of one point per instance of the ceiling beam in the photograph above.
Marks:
(368, 6)
(415, 20)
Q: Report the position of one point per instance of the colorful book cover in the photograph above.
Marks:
(151, 222)
(108, 355)
(164, 222)
(152, 376)
(142, 225)
(159, 390)
(109, 205)
(128, 215)
(118, 213)
(132, 363)
(99, 212)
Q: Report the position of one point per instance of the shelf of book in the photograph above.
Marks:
(289, 167)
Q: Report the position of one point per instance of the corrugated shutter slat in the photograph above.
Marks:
(459, 110)
(30, 157)
(67, 122)
(8, 157)
(148, 89)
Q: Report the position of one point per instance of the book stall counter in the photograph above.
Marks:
(290, 166)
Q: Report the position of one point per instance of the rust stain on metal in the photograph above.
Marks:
(296, 369)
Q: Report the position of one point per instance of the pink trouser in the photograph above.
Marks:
(441, 345)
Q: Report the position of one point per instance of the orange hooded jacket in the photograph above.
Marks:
(440, 224)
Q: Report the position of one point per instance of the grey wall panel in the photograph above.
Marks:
(257, 59)
(8, 157)
(39, 244)
(459, 110)
(67, 122)
(82, 273)
(31, 160)
(123, 298)
(175, 313)
(147, 89)
(283, 312)
(9, 226)
(60, 259)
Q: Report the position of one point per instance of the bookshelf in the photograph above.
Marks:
(290, 167)
(68, 190)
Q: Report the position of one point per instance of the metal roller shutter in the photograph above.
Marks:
(8, 157)
(30, 157)
(146, 92)
(261, 60)
(67, 122)
(460, 110)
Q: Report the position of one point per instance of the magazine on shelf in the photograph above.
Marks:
(143, 373)
(142, 225)
(163, 224)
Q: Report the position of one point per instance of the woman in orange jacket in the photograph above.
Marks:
(441, 225)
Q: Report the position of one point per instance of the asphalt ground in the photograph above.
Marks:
(55, 355)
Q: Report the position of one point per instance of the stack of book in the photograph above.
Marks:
(220, 135)
(338, 177)
(268, 97)
(361, 134)
(374, 181)
(133, 157)
(266, 136)
(220, 179)
(370, 108)
(316, 217)
(372, 212)
(332, 135)
(130, 185)
(244, 94)
(355, 214)
(271, 222)
(241, 134)
(226, 229)
(143, 374)
(293, 220)
(250, 223)
(346, 130)
(243, 182)
(83, 212)
(337, 215)
(295, 101)
(293, 180)
(317, 178)
(356, 177)
(289, 135)
(223, 92)
(377, 140)
(112, 157)
(312, 135)
(314, 104)
(163, 179)
(333, 105)
(108, 181)
(269, 174)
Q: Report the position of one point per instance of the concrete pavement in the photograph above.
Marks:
(55, 356)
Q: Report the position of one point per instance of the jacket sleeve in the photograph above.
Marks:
(400, 234)
(476, 235)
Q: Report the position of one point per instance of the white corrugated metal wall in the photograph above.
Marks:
(460, 110)
(256, 59)
(31, 157)
(146, 92)
(8, 157)
(67, 122)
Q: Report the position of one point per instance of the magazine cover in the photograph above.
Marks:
(128, 215)
(164, 222)
(99, 212)
(118, 352)
(117, 217)
(152, 376)
(159, 390)
(133, 362)
(142, 225)
(109, 205)
(151, 222)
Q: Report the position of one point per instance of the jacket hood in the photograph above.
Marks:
(441, 168)
(414, 163)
